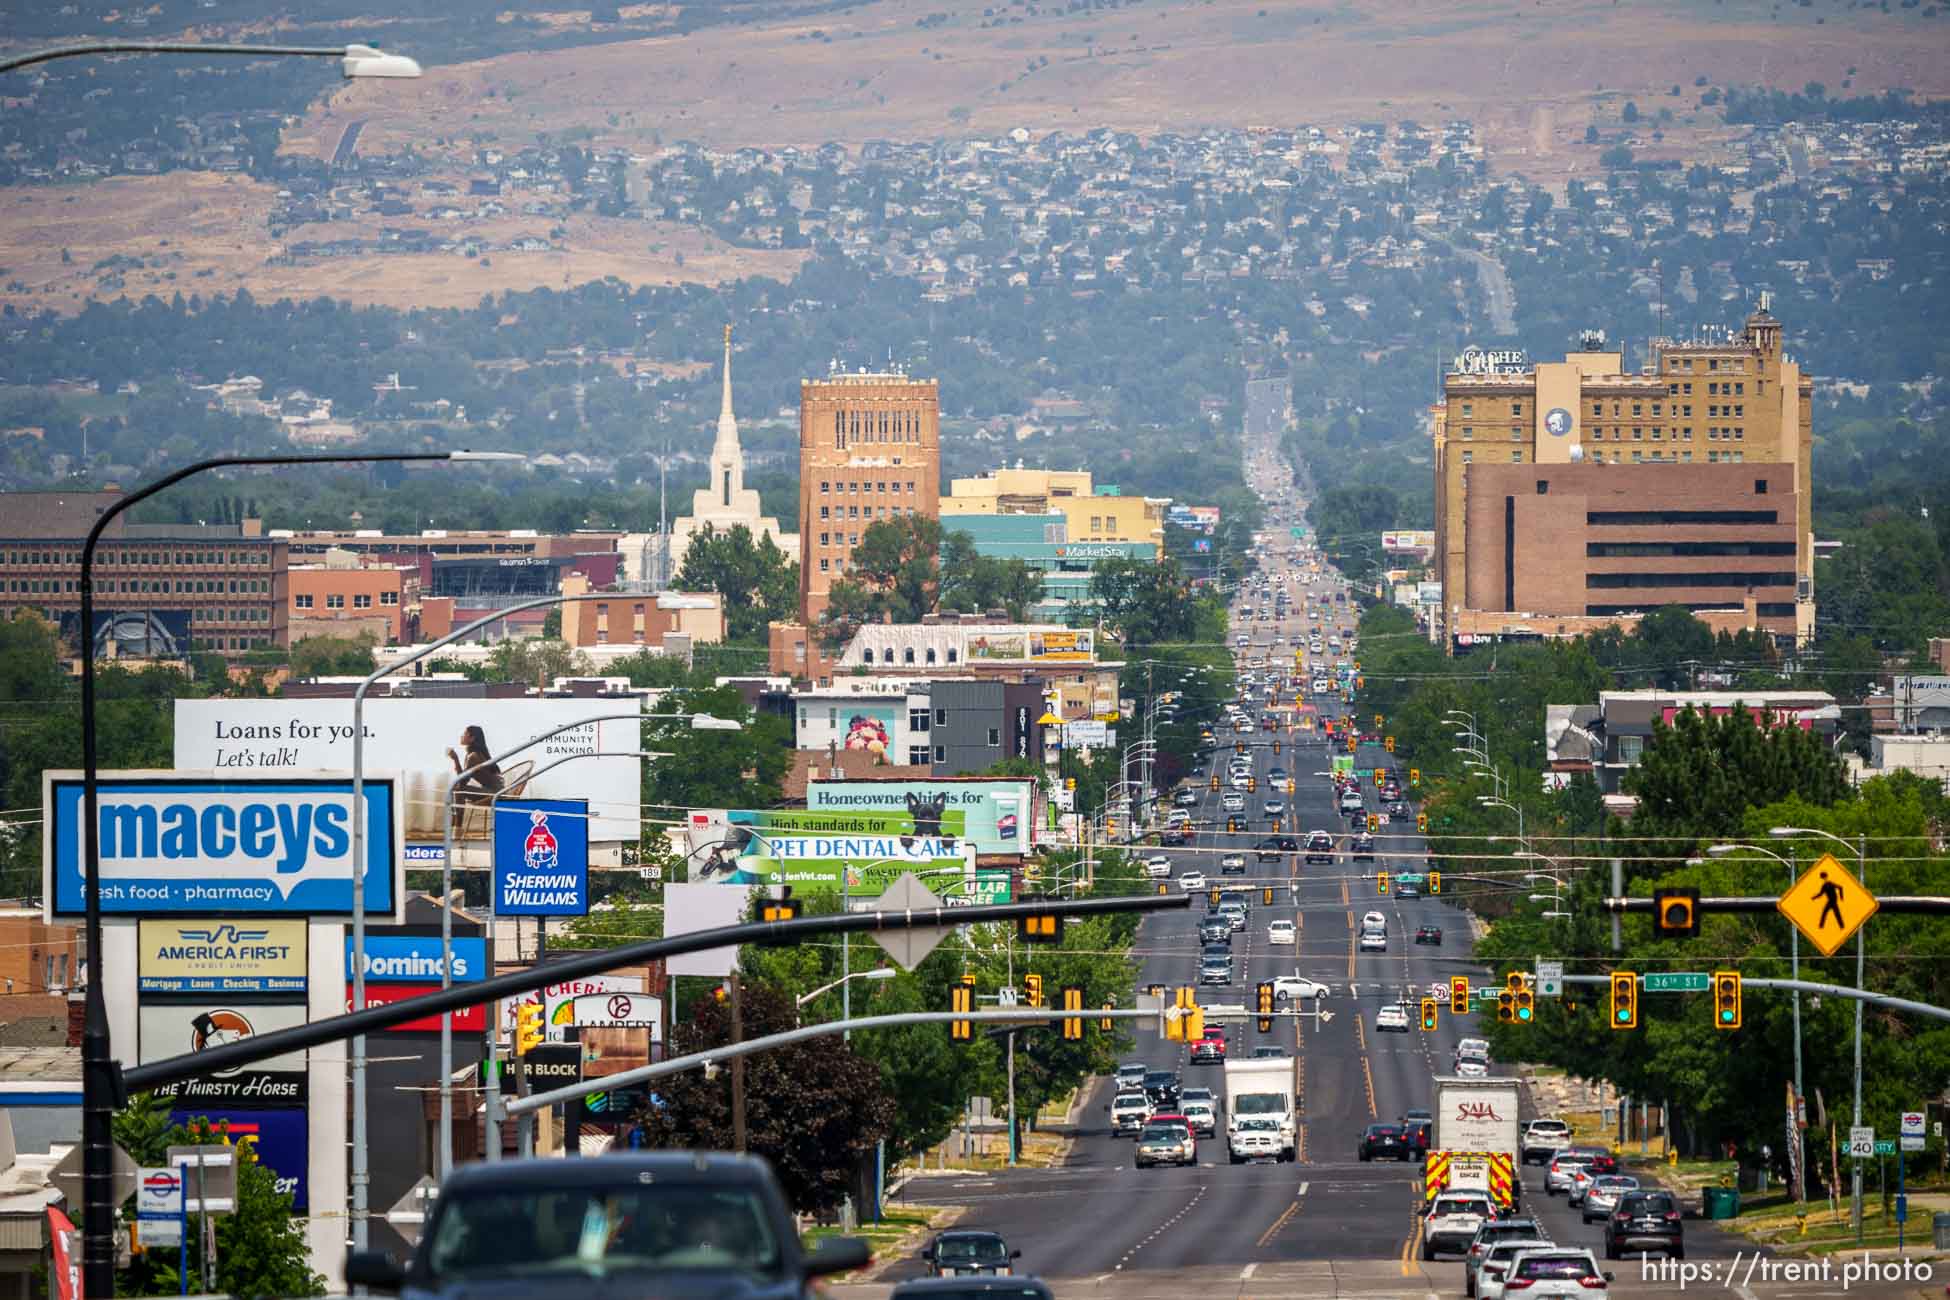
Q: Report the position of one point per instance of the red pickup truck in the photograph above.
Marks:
(1211, 1049)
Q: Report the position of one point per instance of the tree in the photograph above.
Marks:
(974, 583)
(332, 656)
(1631, 113)
(1145, 603)
(893, 577)
(758, 583)
(1699, 775)
(536, 663)
(716, 769)
(813, 1109)
(30, 668)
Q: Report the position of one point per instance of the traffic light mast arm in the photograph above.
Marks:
(1921, 904)
(369, 1020)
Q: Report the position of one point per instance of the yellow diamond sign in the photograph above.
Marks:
(1827, 904)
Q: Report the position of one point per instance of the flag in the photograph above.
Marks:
(67, 1255)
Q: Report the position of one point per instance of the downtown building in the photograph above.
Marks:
(1571, 495)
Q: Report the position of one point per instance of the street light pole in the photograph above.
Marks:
(101, 1088)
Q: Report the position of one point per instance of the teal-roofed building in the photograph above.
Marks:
(1042, 542)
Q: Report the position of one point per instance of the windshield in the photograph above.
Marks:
(1258, 1125)
(1556, 1266)
(599, 1230)
(1164, 1133)
(970, 1248)
(1259, 1103)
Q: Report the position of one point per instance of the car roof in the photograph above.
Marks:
(948, 1233)
(715, 1167)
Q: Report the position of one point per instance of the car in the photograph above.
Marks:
(971, 1288)
(1158, 867)
(1407, 888)
(1277, 773)
(1470, 1067)
(719, 1220)
(1553, 1271)
(1476, 1047)
(1451, 1221)
(1274, 807)
(1166, 1139)
(1161, 1086)
(1646, 1221)
(1209, 1050)
(1214, 929)
(1129, 1110)
(1320, 847)
(1544, 1138)
(1558, 1173)
(1292, 988)
(1420, 1133)
(1604, 1194)
(1280, 932)
(1215, 970)
(1186, 798)
(1187, 1096)
(1235, 914)
(1498, 1232)
(1203, 1116)
(1362, 850)
(1583, 1177)
(1374, 941)
(1192, 881)
(1234, 803)
(1382, 1142)
(1131, 1075)
(1485, 1277)
(1429, 934)
(1391, 1019)
(970, 1252)
(1232, 864)
(1350, 803)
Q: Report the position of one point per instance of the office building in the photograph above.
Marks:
(1571, 495)
(869, 449)
(1042, 541)
(161, 590)
(343, 598)
(1094, 514)
(1607, 739)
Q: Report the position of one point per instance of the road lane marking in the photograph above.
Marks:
(1367, 1076)
(1303, 1189)
(1246, 1273)
(1408, 1248)
(1285, 1217)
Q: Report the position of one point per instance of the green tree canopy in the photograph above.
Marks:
(758, 583)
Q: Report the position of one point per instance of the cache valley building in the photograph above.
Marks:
(1572, 495)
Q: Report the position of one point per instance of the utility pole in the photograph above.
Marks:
(1012, 1097)
(737, 1069)
(1862, 864)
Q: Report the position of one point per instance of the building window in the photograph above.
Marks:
(362, 601)
(953, 654)
(334, 601)
(1516, 458)
(1760, 487)
(1630, 748)
(995, 737)
(940, 753)
(1516, 433)
(825, 566)
(1638, 433)
(930, 654)
(1465, 458)
(917, 755)
(302, 601)
(1469, 433)
(907, 654)
(941, 717)
(917, 719)
(1543, 487)
(1469, 408)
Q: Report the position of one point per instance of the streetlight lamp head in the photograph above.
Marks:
(365, 61)
(1719, 850)
(485, 456)
(879, 973)
(705, 722)
(1784, 832)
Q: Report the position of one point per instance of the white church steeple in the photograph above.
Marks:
(727, 457)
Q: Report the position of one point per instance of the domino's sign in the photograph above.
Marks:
(175, 842)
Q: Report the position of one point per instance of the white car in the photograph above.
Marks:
(1280, 932)
(1391, 1019)
(1232, 863)
(1275, 807)
(1158, 867)
(1297, 988)
(1374, 941)
(1235, 803)
(1193, 881)
(1554, 1271)
(1472, 1067)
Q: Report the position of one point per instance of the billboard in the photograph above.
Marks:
(206, 956)
(415, 737)
(1050, 645)
(236, 846)
(415, 958)
(993, 813)
(1064, 646)
(558, 1001)
(134, 633)
(164, 1030)
(1409, 540)
(817, 863)
(541, 857)
(870, 728)
(466, 1020)
(607, 1051)
(279, 1139)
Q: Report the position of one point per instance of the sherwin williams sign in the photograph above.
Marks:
(173, 843)
(994, 814)
(541, 857)
(868, 863)
(207, 956)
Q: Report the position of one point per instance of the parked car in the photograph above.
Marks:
(695, 1214)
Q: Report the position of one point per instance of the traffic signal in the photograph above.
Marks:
(1381, 882)
(1163, 888)
(1239, 747)
(1289, 785)
(1377, 722)
(1041, 927)
(1276, 747)
(1214, 785)
(1388, 743)
(1252, 785)
(1675, 913)
(1264, 1003)
(1459, 995)
(1232, 825)
(1506, 1008)
(1212, 897)
(1726, 999)
(777, 909)
(1374, 822)
(1428, 1015)
(528, 1028)
(1360, 682)
(1186, 1001)
(1106, 1023)
(1422, 822)
(1624, 1000)
(961, 1000)
(1414, 777)
(1526, 1004)
(1435, 882)
(1266, 896)
(1351, 741)
(1032, 988)
(1380, 775)
(1072, 1001)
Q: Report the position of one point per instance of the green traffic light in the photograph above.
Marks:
(1624, 1015)
(1727, 1014)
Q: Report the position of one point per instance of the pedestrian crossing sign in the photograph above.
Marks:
(1827, 904)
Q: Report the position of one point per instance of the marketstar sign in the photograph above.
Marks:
(173, 842)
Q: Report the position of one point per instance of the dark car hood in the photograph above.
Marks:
(677, 1285)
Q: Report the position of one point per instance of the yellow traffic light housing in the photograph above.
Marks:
(1675, 913)
(1072, 1001)
(1459, 995)
(1212, 897)
(1388, 743)
(528, 1028)
(1506, 1008)
(1377, 722)
(961, 1000)
(1239, 747)
(1428, 1015)
(1414, 777)
(1252, 785)
(1213, 785)
(1264, 1004)
(1041, 927)
(1185, 1003)
(1422, 823)
(1381, 882)
(1726, 999)
(1624, 1000)
(1106, 1023)
(1289, 785)
(1374, 822)
(1032, 988)
(1276, 747)
(1526, 1005)
(1435, 882)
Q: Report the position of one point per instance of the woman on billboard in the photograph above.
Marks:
(482, 779)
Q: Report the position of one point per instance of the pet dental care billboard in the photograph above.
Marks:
(425, 740)
(995, 814)
(818, 863)
(211, 845)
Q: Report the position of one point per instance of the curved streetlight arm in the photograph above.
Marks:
(357, 60)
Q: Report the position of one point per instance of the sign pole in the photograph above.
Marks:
(183, 1231)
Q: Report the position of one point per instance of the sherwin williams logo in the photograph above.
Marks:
(540, 851)
(297, 836)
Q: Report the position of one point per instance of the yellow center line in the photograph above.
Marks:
(1408, 1248)
(1285, 1217)
(1367, 1076)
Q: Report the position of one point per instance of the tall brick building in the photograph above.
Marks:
(1570, 494)
(869, 448)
